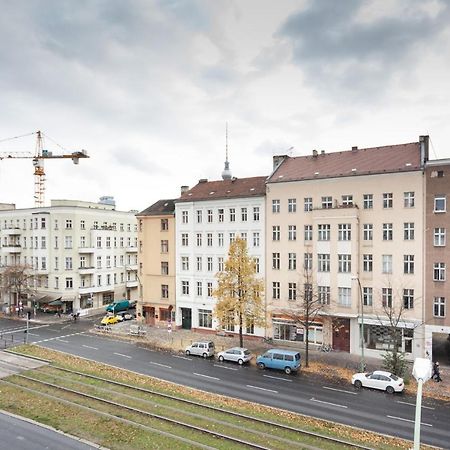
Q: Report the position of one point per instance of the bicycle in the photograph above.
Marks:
(268, 340)
(325, 348)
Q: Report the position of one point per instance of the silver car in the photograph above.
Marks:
(235, 354)
(204, 348)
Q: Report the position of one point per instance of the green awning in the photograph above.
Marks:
(55, 303)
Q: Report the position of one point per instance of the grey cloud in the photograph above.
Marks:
(139, 160)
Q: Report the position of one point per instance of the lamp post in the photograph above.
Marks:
(422, 373)
(361, 330)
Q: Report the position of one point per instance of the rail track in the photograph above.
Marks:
(195, 424)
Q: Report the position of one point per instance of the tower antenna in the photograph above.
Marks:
(226, 174)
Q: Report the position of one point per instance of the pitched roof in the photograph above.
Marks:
(223, 189)
(159, 208)
(365, 161)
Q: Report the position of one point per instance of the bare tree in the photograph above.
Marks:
(17, 282)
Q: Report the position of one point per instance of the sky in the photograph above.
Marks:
(147, 87)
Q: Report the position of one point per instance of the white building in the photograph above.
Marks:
(83, 254)
(208, 217)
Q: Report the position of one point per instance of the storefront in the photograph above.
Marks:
(289, 330)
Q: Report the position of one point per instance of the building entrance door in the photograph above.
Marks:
(341, 334)
(186, 318)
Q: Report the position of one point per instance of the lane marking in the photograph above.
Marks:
(224, 367)
(88, 346)
(328, 403)
(64, 327)
(277, 378)
(412, 404)
(33, 334)
(409, 420)
(261, 389)
(339, 390)
(206, 376)
(182, 357)
(62, 340)
(161, 365)
(121, 354)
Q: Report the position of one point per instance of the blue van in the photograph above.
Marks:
(278, 358)
(119, 305)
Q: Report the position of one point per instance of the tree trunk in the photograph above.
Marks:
(307, 347)
(241, 337)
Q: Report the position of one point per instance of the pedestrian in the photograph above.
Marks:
(59, 313)
(436, 372)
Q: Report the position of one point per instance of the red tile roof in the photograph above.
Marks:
(161, 207)
(376, 160)
(222, 189)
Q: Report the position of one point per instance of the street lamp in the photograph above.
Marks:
(361, 331)
(422, 373)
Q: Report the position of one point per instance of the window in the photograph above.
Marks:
(276, 261)
(292, 205)
(43, 223)
(308, 232)
(209, 289)
(347, 200)
(439, 307)
(210, 215)
(344, 232)
(323, 262)
(209, 239)
(44, 263)
(440, 203)
(327, 202)
(292, 291)
(69, 263)
(292, 232)
(408, 264)
(243, 236)
(108, 242)
(307, 261)
(43, 242)
(67, 241)
(367, 296)
(209, 263)
(220, 264)
(344, 263)
(164, 291)
(244, 214)
(367, 263)
(439, 271)
(185, 287)
(408, 231)
(232, 215)
(275, 232)
(221, 214)
(220, 239)
(199, 288)
(387, 263)
(184, 239)
(388, 200)
(99, 262)
(368, 201)
(69, 283)
(199, 239)
(256, 239)
(256, 213)
(256, 263)
(275, 206)
(276, 290)
(56, 282)
(344, 296)
(324, 232)
(324, 294)
(368, 232)
(408, 298)
(387, 232)
(68, 224)
(165, 245)
(386, 297)
(164, 268)
(307, 204)
(408, 199)
(99, 242)
(232, 237)
(185, 263)
(164, 224)
(292, 261)
(199, 216)
(199, 263)
(204, 318)
(184, 216)
(439, 237)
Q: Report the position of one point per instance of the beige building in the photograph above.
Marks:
(156, 257)
(354, 221)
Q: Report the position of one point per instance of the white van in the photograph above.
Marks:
(204, 348)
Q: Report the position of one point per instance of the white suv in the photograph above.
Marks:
(205, 349)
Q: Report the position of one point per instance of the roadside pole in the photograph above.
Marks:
(28, 327)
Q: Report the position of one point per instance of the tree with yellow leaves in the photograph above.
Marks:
(239, 292)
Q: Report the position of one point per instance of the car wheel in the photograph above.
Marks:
(188, 352)
(358, 384)
(287, 370)
(240, 361)
(205, 355)
(261, 366)
(221, 358)
(390, 390)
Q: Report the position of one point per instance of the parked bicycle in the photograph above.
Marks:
(325, 348)
(268, 340)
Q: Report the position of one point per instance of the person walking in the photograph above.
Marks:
(436, 372)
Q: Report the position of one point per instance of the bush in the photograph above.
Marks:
(395, 363)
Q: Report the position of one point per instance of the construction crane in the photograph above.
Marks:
(38, 158)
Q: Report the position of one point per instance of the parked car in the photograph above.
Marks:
(277, 358)
(126, 315)
(109, 320)
(205, 349)
(120, 305)
(235, 354)
(379, 379)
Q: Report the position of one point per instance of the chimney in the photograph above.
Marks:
(184, 189)
(203, 180)
(354, 148)
(315, 153)
(322, 152)
(424, 142)
(277, 160)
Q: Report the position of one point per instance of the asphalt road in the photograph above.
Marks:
(302, 393)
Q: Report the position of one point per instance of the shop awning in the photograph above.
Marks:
(47, 298)
(55, 303)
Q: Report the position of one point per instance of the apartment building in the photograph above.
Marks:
(83, 255)
(353, 221)
(156, 258)
(437, 291)
(208, 218)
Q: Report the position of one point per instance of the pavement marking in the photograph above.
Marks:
(121, 354)
(261, 389)
(277, 378)
(340, 390)
(182, 357)
(409, 420)
(413, 404)
(328, 403)
(161, 365)
(33, 334)
(64, 327)
(88, 346)
(224, 367)
(58, 338)
(206, 376)
(62, 340)
(23, 328)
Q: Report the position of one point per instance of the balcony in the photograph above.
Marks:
(12, 248)
(86, 249)
(94, 289)
(132, 283)
(131, 249)
(132, 267)
(86, 270)
(13, 231)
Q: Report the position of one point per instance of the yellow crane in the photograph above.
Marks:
(38, 158)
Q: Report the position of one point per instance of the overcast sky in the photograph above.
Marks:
(146, 87)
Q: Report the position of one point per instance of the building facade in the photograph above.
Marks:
(82, 255)
(156, 258)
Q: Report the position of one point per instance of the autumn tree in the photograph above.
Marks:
(17, 282)
(239, 292)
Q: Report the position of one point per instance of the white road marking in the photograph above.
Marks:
(88, 346)
(58, 338)
(328, 403)
(413, 404)
(206, 376)
(33, 334)
(339, 390)
(161, 365)
(182, 357)
(62, 340)
(64, 327)
(277, 378)
(121, 354)
(261, 389)
(225, 367)
(409, 420)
